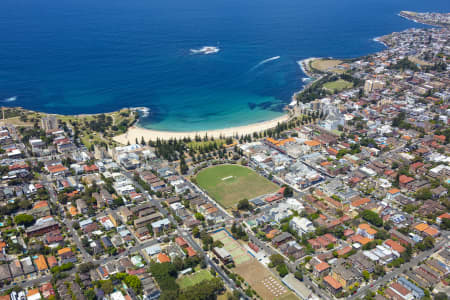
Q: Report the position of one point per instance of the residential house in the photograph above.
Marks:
(344, 274)
(40, 209)
(42, 226)
(401, 238)
(332, 285)
(41, 263)
(82, 206)
(282, 238)
(366, 231)
(321, 269)
(5, 275)
(141, 222)
(160, 225)
(301, 225)
(400, 292)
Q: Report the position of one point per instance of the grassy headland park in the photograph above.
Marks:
(88, 128)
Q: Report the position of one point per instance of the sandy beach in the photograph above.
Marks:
(136, 132)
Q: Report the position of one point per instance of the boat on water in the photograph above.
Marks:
(206, 50)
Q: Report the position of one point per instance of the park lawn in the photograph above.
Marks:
(228, 184)
(338, 85)
(324, 64)
(416, 60)
(88, 136)
(82, 118)
(203, 144)
(17, 122)
(192, 279)
(92, 138)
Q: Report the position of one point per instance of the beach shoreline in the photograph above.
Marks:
(304, 65)
(136, 132)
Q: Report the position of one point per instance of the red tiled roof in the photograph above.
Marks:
(180, 241)
(322, 241)
(40, 204)
(355, 180)
(322, 266)
(136, 272)
(395, 246)
(51, 260)
(191, 252)
(332, 282)
(403, 179)
(330, 237)
(416, 165)
(332, 151)
(444, 216)
(312, 143)
(2, 245)
(162, 258)
(360, 239)
(360, 201)
(91, 168)
(399, 288)
(388, 172)
(72, 194)
(56, 168)
(41, 263)
(348, 232)
(344, 250)
(394, 191)
(46, 287)
(314, 242)
(431, 231)
(344, 218)
(18, 166)
(440, 138)
(61, 141)
(273, 198)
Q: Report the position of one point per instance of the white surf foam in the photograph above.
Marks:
(265, 61)
(205, 50)
(10, 99)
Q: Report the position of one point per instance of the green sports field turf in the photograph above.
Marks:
(192, 279)
(228, 184)
(338, 85)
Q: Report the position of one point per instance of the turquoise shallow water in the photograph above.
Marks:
(84, 56)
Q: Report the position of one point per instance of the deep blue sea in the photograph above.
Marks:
(91, 56)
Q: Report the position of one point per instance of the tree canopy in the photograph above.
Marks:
(244, 204)
(24, 219)
(372, 217)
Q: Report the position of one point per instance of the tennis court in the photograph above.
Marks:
(239, 254)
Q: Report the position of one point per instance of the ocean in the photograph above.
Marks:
(92, 56)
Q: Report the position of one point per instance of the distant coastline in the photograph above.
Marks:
(136, 131)
(419, 18)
